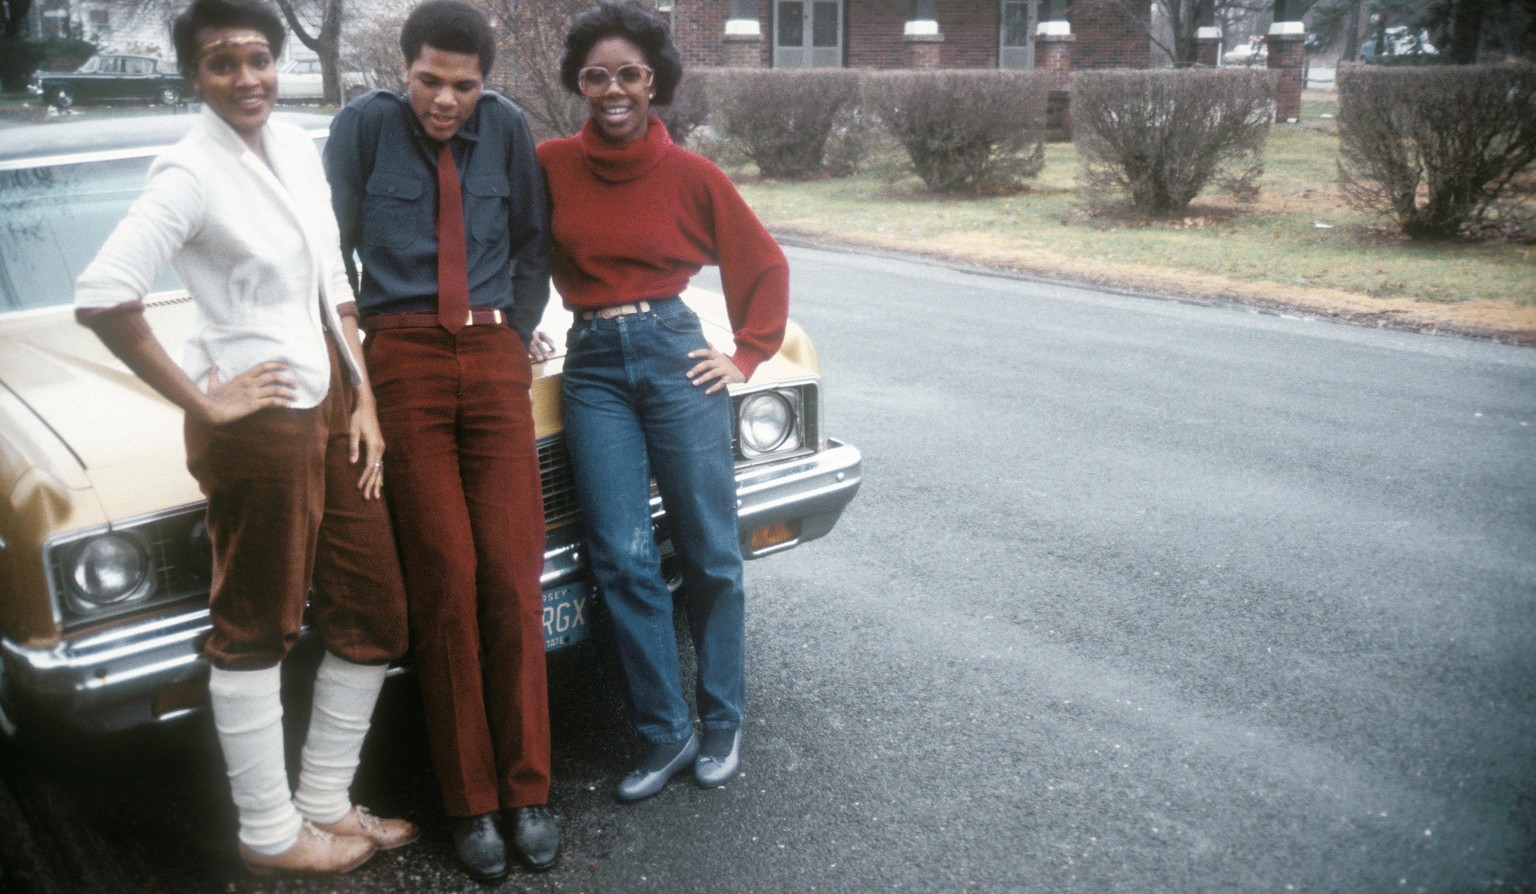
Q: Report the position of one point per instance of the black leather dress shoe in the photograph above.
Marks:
(535, 837)
(480, 848)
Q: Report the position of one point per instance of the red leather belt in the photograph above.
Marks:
(428, 319)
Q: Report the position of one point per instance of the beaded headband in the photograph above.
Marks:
(242, 40)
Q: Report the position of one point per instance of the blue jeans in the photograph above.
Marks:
(631, 414)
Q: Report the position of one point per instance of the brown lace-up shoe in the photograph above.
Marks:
(386, 834)
(315, 853)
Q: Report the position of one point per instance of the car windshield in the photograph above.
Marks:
(53, 219)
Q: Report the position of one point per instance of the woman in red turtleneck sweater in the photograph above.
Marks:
(633, 218)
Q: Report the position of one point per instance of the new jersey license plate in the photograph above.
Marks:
(567, 615)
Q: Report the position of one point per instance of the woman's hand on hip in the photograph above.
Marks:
(263, 385)
(367, 444)
(713, 367)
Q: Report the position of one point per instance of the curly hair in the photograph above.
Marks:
(253, 14)
(451, 26)
(636, 24)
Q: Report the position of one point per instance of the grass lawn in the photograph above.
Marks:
(1298, 246)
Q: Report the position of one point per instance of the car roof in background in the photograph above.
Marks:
(33, 145)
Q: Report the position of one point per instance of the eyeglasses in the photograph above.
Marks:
(594, 79)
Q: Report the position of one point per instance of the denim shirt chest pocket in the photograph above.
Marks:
(486, 198)
(391, 208)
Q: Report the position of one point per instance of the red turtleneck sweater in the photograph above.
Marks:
(636, 222)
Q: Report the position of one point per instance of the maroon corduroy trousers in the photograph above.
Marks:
(462, 482)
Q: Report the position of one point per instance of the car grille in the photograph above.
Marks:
(560, 502)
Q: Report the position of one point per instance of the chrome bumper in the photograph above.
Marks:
(120, 677)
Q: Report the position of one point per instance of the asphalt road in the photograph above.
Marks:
(1139, 596)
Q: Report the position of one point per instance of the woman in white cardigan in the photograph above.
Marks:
(281, 434)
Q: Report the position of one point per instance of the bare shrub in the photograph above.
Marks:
(1160, 137)
(782, 118)
(530, 39)
(1437, 149)
(373, 50)
(689, 108)
(965, 131)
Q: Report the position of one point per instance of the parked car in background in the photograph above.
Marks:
(1398, 46)
(1254, 52)
(104, 556)
(299, 80)
(112, 77)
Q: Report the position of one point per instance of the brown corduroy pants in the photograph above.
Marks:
(284, 513)
(462, 482)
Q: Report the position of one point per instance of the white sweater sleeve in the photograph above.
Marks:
(158, 224)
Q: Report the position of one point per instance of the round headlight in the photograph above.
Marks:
(109, 569)
(767, 421)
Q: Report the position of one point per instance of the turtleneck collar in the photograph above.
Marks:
(617, 164)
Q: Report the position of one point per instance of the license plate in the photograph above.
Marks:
(567, 615)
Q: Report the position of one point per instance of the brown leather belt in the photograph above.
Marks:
(427, 319)
(618, 310)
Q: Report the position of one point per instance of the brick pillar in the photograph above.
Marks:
(743, 52)
(922, 51)
(921, 35)
(1287, 55)
(1208, 47)
(1053, 53)
(743, 42)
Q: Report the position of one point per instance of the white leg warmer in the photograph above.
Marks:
(345, 694)
(248, 714)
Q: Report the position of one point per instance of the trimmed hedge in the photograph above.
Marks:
(782, 118)
(964, 131)
(1436, 149)
(1161, 136)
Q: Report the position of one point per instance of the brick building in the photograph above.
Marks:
(909, 33)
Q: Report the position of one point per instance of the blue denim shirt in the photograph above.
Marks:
(383, 173)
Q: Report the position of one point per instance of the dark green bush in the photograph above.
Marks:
(782, 118)
(964, 131)
(1161, 136)
(1436, 149)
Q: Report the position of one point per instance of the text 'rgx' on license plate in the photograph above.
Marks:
(567, 615)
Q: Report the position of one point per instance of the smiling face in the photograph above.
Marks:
(443, 88)
(237, 77)
(620, 111)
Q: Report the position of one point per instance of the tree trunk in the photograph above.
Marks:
(1466, 31)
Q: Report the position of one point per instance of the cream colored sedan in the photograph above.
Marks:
(104, 559)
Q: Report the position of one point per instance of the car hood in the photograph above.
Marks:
(126, 438)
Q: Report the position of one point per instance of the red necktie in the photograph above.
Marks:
(452, 263)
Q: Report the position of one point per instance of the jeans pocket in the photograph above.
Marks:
(681, 321)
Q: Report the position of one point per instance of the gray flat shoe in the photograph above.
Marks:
(719, 758)
(660, 764)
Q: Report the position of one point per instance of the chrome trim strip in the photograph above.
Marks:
(106, 679)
